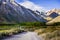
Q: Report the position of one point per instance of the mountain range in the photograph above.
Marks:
(12, 12)
(54, 16)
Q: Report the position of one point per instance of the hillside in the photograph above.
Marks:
(53, 10)
(52, 14)
(12, 12)
(57, 19)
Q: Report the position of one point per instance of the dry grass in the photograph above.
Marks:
(49, 33)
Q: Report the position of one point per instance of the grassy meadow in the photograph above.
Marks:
(47, 31)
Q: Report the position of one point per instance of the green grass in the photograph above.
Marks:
(10, 29)
(32, 24)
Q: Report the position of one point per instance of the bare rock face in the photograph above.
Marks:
(53, 10)
(52, 14)
(12, 12)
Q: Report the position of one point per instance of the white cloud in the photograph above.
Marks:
(32, 6)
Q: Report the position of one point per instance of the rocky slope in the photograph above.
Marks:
(51, 14)
(55, 20)
(12, 12)
(53, 10)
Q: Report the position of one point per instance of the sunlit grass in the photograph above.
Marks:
(9, 30)
(39, 28)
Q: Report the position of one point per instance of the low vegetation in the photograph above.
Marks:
(32, 24)
(9, 30)
(49, 32)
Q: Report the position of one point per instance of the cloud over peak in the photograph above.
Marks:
(32, 6)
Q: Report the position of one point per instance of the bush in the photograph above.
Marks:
(32, 24)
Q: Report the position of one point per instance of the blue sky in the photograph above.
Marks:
(47, 4)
